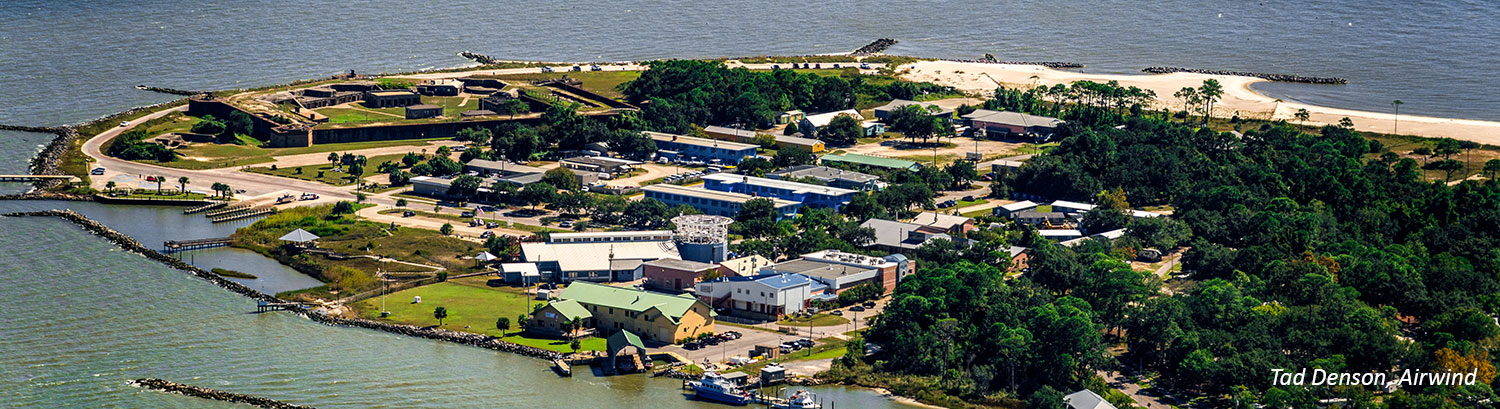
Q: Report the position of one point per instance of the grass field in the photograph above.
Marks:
(818, 320)
(470, 302)
(173, 122)
(452, 106)
(169, 192)
(212, 156)
(601, 82)
(322, 173)
(347, 115)
(826, 348)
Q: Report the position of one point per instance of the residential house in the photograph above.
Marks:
(654, 316)
(953, 225)
(1086, 399)
(811, 124)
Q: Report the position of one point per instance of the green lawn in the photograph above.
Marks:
(322, 172)
(602, 82)
(169, 191)
(452, 105)
(818, 320)
(212, 156)
(173, 122)
(346, 115)
(967, 203)
(470, 302)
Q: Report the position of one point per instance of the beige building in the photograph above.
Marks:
(654, 316)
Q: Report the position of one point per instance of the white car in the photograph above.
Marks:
(124, 123)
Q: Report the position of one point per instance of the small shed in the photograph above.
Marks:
(736, 378)
(423, 111)
(524, 274)
(772, 374)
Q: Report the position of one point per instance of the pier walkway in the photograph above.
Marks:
(174, 246)
(37, 178)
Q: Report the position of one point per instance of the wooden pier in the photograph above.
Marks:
(37, 178)
(562, 367)
(243, 214)
(173, 246)
(264, 306)
(205, 208)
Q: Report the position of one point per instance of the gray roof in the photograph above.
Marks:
(892, 233)
(684, 265)
(898, 103)
(820, 269)
(423, 106)
(1086, 399)
(1012, 118)
(823, 173)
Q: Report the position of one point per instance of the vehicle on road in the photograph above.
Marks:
(547, 69)
(596, 68)
(565, 224)
(857, 308)
(869, 304)
(97, 171)
(864, 66)
(408, 213)
(124, 124)
(837, 312)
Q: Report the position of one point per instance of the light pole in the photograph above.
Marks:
(1396, 127)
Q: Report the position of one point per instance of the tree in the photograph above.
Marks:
(472, 135)
(1492, 167)
(208, 125)
(441, 314)
(1189, 97)
(356, 171)
(757, 217)
(1210, 92)
(537, 193)
(791, 129)
(575, 345)
(1046, 397)
(502, 324)
(843, 130)
(158, 179)
(401, 202)
(562, 178)
(755, 167)
(109, 186)
(963, 173)
(1302, 115)
(792, 156)
(915, 122)
(1160, 232)
(447, 229)
(465, 187)
(182, 183)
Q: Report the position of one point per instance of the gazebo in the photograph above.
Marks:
(485, 257)
(633, 361)
(301, 237)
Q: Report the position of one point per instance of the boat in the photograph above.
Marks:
(715, 388)
(800, 400)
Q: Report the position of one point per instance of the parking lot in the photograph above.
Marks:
(738, 347)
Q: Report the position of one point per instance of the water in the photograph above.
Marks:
(72, 61)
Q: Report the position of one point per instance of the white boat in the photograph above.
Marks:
(800, 400)
(715, 388)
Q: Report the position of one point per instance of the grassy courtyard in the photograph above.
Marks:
(817, 320)
(211, 155)
(602, 82)
(473, 306)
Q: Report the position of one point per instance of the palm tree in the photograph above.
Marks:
(158, 180)
(182, 182)
(440, 313)
(109, 186)
(1396, 127)
(333, 158)
(1302, 115)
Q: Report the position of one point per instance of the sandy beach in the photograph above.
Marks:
(1238, 97)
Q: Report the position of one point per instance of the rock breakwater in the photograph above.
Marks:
(212, 394)
(1271, 77)
(874, 47)
(172, 91)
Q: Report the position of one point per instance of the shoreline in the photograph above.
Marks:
(1239, 98)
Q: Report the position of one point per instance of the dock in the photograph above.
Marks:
(562, 367)
(243, 214)
(37, 178)
(204, 208)
(174, 246)
(264, 306)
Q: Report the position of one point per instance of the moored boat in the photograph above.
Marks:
(715, 388)
(800, 400)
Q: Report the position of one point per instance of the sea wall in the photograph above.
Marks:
(131, 244)
(1272, 77)
(211, 394)
(44, 195)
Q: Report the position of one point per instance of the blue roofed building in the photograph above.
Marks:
(714, 202)
(804, 193)
(764, 296)
(682, 147)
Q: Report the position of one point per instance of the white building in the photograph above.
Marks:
(762, 296)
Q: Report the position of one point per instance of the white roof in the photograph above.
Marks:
(898, 103)
(702, 193)
(526, 269)
(796, 187)
(665, 137)
(299, 236)
(822, 119)
(1142, 214)
(1086, 399)
(1073, 205)
(485, 256)
(596, 256)
(945, 221)
(1019, 206)
(1059, 233)
(1112, 234)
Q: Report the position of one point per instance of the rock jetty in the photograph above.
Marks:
(990, 59)
(211, 394)
(479, 58)
(874, 47)
(172, 91)
(1272, 77)
(131, 244)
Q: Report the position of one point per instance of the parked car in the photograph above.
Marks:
(124, 124)
(835, 66)
(565, 224)
(869, 304)
(805, 342)
(97, 171)
(857, 308)
(775, 66)
(596, 68)
(547, 69)
(467, 213)
(969, 198)
(712, 340)
(864, 66)
(577, 68)
(692, 346)
(486, 235)
(408, 213)
(837, 312)
(491, 225)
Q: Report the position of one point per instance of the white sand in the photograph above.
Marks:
(1238, 97)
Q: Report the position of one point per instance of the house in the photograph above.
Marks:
(675, 275)
(654, 316)
(440, 88)
(807, 194)
(1010, 209)
(841, 271)
(1086, 399)
(870, 161)
(749, 136)
(674, 146)
(1020, 258)
(554, 319)
(1060, 234)
(423, 111)
(764, 296)
(883, 112)
(811, 124)
(790, 117)
(590, 257)
(953, 225)
(894, 236)
(713, 202)
(839, 178)
(390, 98)
(598, 164)
(1008, 123)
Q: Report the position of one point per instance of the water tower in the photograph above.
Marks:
(702, 238)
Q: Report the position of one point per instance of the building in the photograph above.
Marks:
(1071, 207)
(598, 164)
(839, 178)
(430, 186)
(654, 316)
(440, 88)
(672, 146)
(523, 274)
(598, 256)
(1008, 123)
(764, 296)
(1013, 208)
(841, 271)
(490, 167)
(749, 136)
(883, 112)
(1086, 399)
(1020, 258)
(871, 161)
(1032, 217)
(675, 275)
(1060, 234)
(743, 266)
(423, 111)
(895, 236)
(807, 194)
(790, 117)
(811, 124)
(391, 98)
(954, 225)
(711, 201)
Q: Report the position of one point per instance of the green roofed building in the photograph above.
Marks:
(871, 161)
(655, 316)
